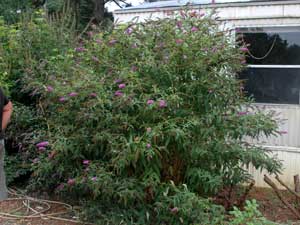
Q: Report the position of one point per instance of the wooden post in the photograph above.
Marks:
(297, 188)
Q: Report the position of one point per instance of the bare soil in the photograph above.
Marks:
(272, 208)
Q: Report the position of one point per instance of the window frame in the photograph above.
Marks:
(270, 66)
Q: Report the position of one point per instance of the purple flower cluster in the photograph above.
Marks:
(174, 210)
(62, 99)
(50, 89)
(98, 41)
(95, 59)
(118, 93)
(93, 95)
(71, 181)
(73, 94)
(161, 103)
(134, 68)
(242, 113)
(86, 162)
(80, 49)
(244, 49)
(118, 81)
(42, 144)
(150, 102)
(179, 41)
(128, 31)
(112, 42)
(41, 149)
(194, 29)
(121, 86)
(179, 24)
(60, 187)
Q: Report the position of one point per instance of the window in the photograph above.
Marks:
(273, 74)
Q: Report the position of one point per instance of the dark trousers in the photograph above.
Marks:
(3, 188)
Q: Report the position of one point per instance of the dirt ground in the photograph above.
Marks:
(272, 208)
(18, 208)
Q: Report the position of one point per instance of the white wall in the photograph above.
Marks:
(234, 13)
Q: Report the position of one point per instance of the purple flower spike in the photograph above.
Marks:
(93, 95)
(174, 210)
(50, 88)
(128, 31)
(121, 86)
(80, 49)
(118, 81)
(42, 144)
(242, 113)
(148, 145)
(71, 181)
(179, 41)
(112, 42)
(86, 162)
(98, 41)
(73, 94)
(283, 132)
(36, 160)
(95, 59)
(62, 99)
(162, 103)
(60, 187)
(42, 149)
(150, 102)
(118, 93)
(94, 178)
(244, 49)
(134, 68)
(194, 29)
(179, 24)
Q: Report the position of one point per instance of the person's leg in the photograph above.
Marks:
(3, 188)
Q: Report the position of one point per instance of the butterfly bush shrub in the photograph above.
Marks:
(144, 120)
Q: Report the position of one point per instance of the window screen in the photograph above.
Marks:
(273, 74)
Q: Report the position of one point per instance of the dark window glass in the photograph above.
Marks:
(273, 85)
(273, 46)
